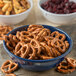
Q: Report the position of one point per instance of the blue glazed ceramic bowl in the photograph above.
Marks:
(38, 65)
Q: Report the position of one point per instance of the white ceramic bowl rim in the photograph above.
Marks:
(54, 13)
(31, 3)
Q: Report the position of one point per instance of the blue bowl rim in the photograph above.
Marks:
(59, 57)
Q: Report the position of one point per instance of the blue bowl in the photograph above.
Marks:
(38, 65)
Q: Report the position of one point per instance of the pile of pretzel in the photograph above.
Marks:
(37, 43)
(4, 30)
(9, 7)
(67, 66)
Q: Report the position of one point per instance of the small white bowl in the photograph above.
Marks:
(17, 18)
(62, 19)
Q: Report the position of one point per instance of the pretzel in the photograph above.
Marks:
(4, 30)
(66, 44)
(10, 74)
(59, 44)
(25, 4)
(1, 12)
(23, 50)
(9, 9)
(55, 52)
(48, 39)
(43, 32)
(17, 8)
(36, 45)
(9, 66)
(1, 4)
(56, 34)
(5, 7)
(11, 41)
(65, 68)
(24, 36)
(34, 26)
(45, 57)
(71, 61)
(47, 49)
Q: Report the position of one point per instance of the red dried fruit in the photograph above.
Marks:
(73, 6)
(66, 1)
(74, 10)
(49, 9)
(66, 11)
(59, 6)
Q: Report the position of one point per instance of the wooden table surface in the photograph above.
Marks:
(35, 17)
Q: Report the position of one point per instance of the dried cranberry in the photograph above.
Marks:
(66, 11)
(74, 10)
(66, 1)
(55, 8)
(70, 3)
(49, 9)
(73, 6)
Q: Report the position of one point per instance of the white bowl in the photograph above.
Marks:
(17, 18)
(57, 18)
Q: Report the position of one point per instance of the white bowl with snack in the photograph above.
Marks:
(58, 17)
(14, 12)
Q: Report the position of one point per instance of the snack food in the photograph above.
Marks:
(4, 30)
(10, 7)
(59, 6)
(67, 66)
(37, 43)
(64, 67)
(10, 74)
(71, 61)
(9, 66)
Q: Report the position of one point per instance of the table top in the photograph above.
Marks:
(35, 17)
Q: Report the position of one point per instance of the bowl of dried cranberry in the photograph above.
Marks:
(58, 11)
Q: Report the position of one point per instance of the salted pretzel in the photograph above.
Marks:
(25, 4)
(55, 52)
(23, 50)
(11, 41)
(45, 57)
(9, 66)
(71, 61)
(59, 44)
(1, 4)
(42, 33)
(34, 26)
(58, 35)
(66, 44)
(64, 67)
(25, 36)
(17, 7)
(36, 45)
(4, 30)
(47, 48)
(48, 40)
(10, 74)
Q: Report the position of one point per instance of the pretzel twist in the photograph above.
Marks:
(65, 68)
(59, 44)
(4, 30)
(71, 61)
(9, 66)
(56, 34)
